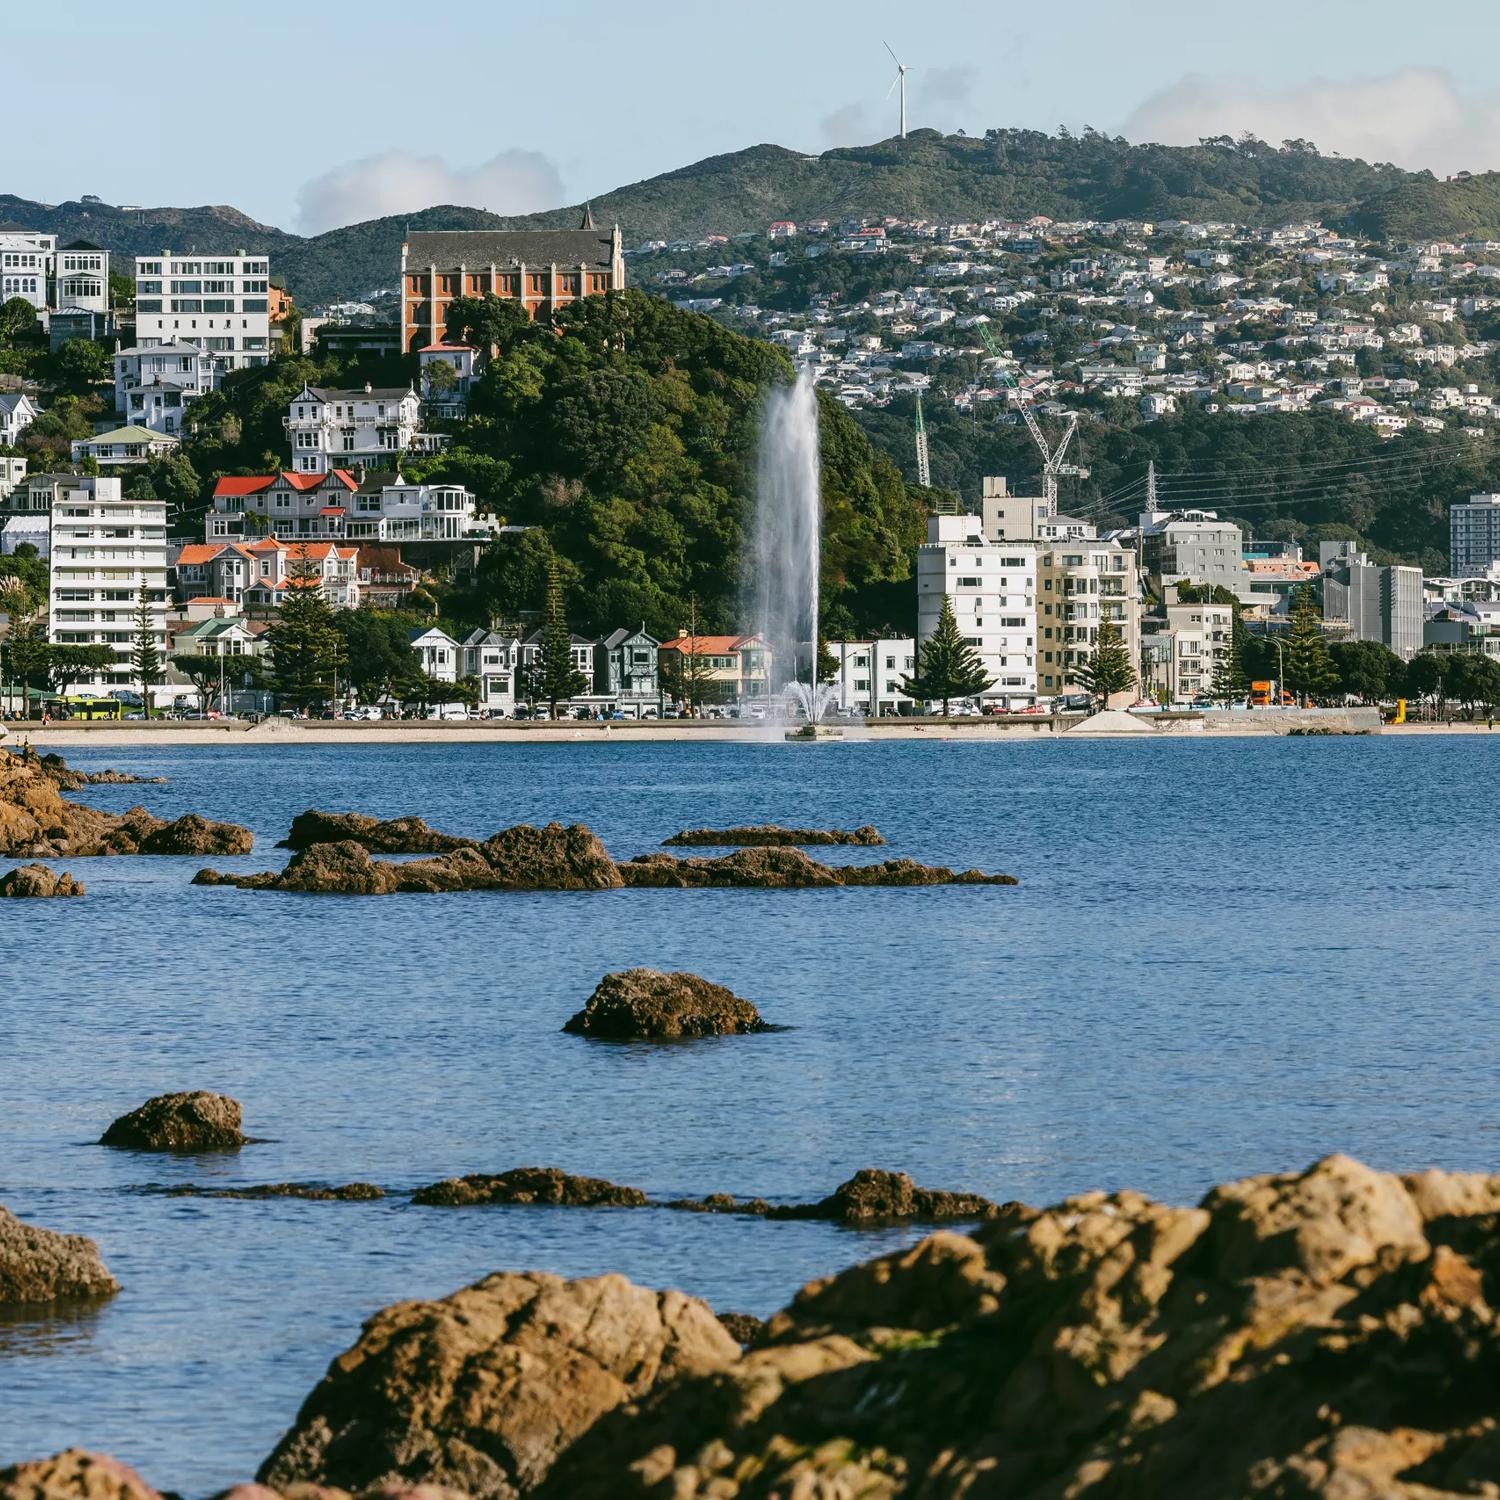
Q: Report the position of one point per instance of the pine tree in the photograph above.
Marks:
(561, 680)
(947, 666)
(1109, 670)
(145, 648)
(304, 642)
(1310, 671)
(1239, 645)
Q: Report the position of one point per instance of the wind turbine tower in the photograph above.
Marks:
(898, 81)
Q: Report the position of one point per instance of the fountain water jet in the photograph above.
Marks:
(786, 552)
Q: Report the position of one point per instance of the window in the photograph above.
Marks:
(969, 583)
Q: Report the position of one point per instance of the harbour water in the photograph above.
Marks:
(1224, 957)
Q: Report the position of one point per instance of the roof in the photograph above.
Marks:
(376, 393)
(176, 348)
(710, 645)
(243, 484)
(448, 348)
(446, 248)
(253, 484)
(132, 434)
(12, 399)
(83, 245)
(195, 554)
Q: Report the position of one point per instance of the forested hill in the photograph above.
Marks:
(1005, 173)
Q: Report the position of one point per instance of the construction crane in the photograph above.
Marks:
(1052, 464)
(924, 466)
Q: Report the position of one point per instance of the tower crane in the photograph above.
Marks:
(1052, 458)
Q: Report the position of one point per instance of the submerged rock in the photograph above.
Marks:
(872, 1196)
(409, 835)
(1321, 1333)
(646, 1003)
(530, 1185)
(482, 1390)
(74, 1475)
(786, 868)
(38, 881)
(769, 835)
(555, 858)
(38, 822)
(40, 1265)
(351, 1192)
(196, 1121)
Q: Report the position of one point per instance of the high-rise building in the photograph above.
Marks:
(993, 590)
(219, 302)
(1194, 546)
(1083, 586)
(1474, 535)
(1372, 603)
(103, 548)
(542, 269)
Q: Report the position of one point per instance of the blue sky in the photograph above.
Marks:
(311, 115)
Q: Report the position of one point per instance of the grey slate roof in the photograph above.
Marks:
(447, 248)
(379, 393)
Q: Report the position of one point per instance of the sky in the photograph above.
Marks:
(307, 116)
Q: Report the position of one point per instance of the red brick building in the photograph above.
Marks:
(543, 268)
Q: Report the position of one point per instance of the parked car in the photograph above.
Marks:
(453, 711)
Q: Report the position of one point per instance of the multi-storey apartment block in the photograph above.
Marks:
(1474, 535)
(103, 548)
(1085, 585)
(993, 590)
(219, 302)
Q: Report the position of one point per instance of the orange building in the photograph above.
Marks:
(543, 268)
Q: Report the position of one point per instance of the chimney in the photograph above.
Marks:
(367, 387)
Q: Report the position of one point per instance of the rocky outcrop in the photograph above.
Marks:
(482, 1390)
(409, 835)
(872, 1196)
(770, 835)
(351, 1192)
(38, 881)
(40, 1265)
(743, 1328)
(772, 869)
(38, 822)
(646, 1003)
(196, 1121)
(74, 1475)
(555, 858)
(524, 858)
(530, 1185)
(1320, 1333)
(68, 779)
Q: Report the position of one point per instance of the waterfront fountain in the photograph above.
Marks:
(786, 550)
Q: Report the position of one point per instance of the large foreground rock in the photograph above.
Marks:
(38, 881)
(646, 1003)
(40, 1265)
(409, 835)
(525, 1185)
(771, 835)
(1321, 1333)
(482, 1390)
(68, 778)
(195, 1121)
(38, 822)
(555, 858)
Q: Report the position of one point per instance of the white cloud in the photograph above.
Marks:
(1415, 118)
(395, 182)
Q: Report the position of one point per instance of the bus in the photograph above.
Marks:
(82, 707)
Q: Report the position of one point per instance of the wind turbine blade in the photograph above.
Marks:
(892, 89)
(894, 58)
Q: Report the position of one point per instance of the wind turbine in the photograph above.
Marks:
(900, 78)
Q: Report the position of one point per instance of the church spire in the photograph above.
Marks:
(588, 216)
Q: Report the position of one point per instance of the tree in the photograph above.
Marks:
(304, 643)
(66, 664)
(438, 379)
(27, 649)
(1109, 670)
(18, 323)
(1368, 670)
(377, 651)
(489, 322)
(947, 666)
(145, 648)
(1474, 680)
(82, 362)
(561, 680)
(203, 670)
(1310, 671)
(1426, 675)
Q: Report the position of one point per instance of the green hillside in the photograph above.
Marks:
(1006, 173)
(1421, 207)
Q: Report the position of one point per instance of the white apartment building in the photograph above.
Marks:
(103, 547)
(1186, 657)
(25, 264)
(218, 302)
(331, 429)
(1083, 586)
(993, 590)
(870, 675)
(1474, 535)
(155, 384)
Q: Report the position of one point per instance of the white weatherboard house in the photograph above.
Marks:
(156, 383)
(438, 652)
(333, 429)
